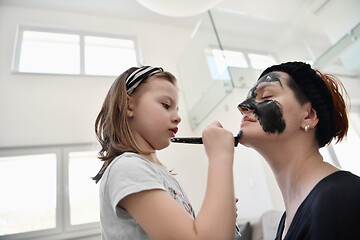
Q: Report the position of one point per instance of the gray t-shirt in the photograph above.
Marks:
(130, 173)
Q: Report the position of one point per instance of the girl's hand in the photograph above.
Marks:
(218, 142)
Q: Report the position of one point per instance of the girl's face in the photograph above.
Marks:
(270, 109)
(153, 112)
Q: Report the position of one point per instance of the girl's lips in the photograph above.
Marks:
(173, 131)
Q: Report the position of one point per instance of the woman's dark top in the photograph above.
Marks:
(330, 211)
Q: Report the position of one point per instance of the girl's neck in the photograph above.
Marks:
(152, 157)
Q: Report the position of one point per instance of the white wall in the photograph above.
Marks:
(48, 109)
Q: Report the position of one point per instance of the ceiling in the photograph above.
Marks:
(255, 16)
(131, 9)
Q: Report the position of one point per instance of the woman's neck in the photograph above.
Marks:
(297, 172)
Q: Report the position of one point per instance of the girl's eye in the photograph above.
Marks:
(166, 106)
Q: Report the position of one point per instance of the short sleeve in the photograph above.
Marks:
(128, 175)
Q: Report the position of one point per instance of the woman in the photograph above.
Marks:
(289, 114)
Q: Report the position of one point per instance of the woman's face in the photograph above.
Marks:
(270, 110)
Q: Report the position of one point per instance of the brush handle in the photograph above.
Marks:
(198, 140)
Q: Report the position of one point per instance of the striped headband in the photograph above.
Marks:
(139, 75)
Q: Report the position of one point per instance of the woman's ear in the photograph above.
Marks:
(310, 116)
(130, 104)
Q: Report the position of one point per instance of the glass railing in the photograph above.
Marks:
(204, 76)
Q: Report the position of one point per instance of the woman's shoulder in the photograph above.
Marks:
(341, 179)
(340, 186)
(330, 209)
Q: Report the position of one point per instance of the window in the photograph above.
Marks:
(45, 52)
(261, 61)
(233, 58)
(342, 154)
(49, 191)
(346, 151)
(28, 193)
(219, 61)
(115, 53)
(217, 65)
(64, 52)
(83, 192)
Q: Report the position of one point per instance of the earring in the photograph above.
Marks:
(306, 128)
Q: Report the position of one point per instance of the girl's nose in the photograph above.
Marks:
(177, 118)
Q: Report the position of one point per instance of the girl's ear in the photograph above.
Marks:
(310, 116)
(130, 104)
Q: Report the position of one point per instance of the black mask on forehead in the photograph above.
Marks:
(268, 112)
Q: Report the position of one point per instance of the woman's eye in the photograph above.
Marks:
(266, 96)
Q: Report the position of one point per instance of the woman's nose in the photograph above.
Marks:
(245, 107)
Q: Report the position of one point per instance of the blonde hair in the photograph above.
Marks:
(112, 125)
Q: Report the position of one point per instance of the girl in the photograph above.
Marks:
(289, 114)
(139, 197)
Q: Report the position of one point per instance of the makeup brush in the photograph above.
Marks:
(198, 140)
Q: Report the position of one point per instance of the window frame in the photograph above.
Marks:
(15, 66)
(334, 158)
(63, 228)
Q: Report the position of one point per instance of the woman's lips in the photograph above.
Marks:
(247, 120)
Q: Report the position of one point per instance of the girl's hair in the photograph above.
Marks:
(112, 126)
(325, 92)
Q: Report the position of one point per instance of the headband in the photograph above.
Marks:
(139, 75)
(316, 91)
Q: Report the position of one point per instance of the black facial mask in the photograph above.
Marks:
(268, 112)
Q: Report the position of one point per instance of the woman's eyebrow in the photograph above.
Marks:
(261, 87)
(268, 81)
(272, 77)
